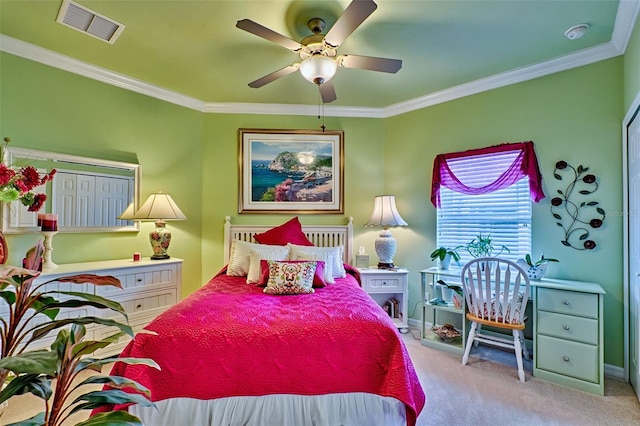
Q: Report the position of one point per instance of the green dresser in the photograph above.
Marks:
(568, 330)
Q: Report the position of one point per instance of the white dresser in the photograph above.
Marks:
(149, 288)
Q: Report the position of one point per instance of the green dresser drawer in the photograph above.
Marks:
(567, 302)
(568, 358)
(568, 327)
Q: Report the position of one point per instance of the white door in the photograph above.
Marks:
(633, 170)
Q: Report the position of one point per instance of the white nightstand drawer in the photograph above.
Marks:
(145, 278)
(384, 284)
(568, 358)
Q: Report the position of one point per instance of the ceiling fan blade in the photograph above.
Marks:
(327, 92)
(268, 34)
(351, 18)
(274, 76)
(370, 63)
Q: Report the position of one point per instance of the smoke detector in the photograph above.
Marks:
(576, 31)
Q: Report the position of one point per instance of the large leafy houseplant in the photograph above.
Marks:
(33, 371)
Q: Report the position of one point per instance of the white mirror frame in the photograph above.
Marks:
(10, 154)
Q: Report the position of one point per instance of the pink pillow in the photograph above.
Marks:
(318, 280)
(288, 232)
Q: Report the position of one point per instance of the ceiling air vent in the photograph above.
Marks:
(89, 22)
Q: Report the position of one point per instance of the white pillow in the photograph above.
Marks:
(332, 257)
(266, 252)
(239, 258)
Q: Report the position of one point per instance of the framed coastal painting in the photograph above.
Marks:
(291, 171)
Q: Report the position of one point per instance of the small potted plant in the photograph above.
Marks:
(535, 270)
(444, 256)
(482, 246)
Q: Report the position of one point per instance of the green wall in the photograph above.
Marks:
(49, 109)
(632, 68)
(363, 173)
(574, 116)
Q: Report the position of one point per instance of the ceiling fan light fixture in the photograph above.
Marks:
(318, 69)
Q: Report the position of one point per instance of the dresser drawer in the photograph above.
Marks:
(136, 321)
(568, 358)
(568, 327)
(568, 302)
(142, 302)
(383, 284)
(141, 279)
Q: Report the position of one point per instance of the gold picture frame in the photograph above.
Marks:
(291, 171)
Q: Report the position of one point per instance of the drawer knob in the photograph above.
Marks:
(138, 306)
(565, 358)
(565, 327)
(139, 280)
(565, 302)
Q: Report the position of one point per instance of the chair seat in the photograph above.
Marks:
(498, 323)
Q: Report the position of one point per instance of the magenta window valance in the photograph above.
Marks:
(524, 164)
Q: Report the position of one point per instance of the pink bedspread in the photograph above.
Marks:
(230, 339)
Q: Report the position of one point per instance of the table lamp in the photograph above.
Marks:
(160, 208)
(385, 214)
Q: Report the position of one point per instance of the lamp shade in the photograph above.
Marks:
(128, 213)
(318, 68)
(385, 212)
(159, 206)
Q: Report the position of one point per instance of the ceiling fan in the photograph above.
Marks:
(318, 52)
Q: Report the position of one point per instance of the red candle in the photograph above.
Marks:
(40, 217)
(49, 222)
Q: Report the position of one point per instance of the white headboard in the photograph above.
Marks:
(319, 235)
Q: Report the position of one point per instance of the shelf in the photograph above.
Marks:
(448, 308)
(432, 340)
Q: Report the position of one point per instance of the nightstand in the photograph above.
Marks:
(386, 286)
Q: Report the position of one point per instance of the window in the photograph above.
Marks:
(504, 214)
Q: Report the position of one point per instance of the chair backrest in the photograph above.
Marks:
(496, 289)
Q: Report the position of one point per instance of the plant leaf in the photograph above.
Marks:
(43, 329)
(117, 382)
(110, 396)
(98, 280)
(584, 192)
(557, 216)
(601, 211)
(8, 296)
(88, 300)
(112, 418)
(592, 203)
(34, 362)
(584, 236)
(565, 243)
(36, 384)
(92, 362)
(557, 176)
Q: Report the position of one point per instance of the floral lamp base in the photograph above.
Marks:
(160, 239)
(386, 247)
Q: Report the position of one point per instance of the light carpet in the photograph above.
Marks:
(487, 391)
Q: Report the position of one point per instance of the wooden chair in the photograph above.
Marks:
(496, 291)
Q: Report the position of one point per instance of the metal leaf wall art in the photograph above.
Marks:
(573, 210)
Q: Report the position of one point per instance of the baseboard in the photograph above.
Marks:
(612, 371)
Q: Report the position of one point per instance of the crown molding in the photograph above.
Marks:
(573, 60)
(626, 17)
(66, 63)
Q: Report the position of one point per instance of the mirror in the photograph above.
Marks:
(87, 194)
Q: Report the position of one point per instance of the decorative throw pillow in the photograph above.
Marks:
(266, 252)
(239, 258)
(288, 232)
(290, 277)
(332, 256)
(318, 277)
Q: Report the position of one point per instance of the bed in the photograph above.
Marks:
(232, 354)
